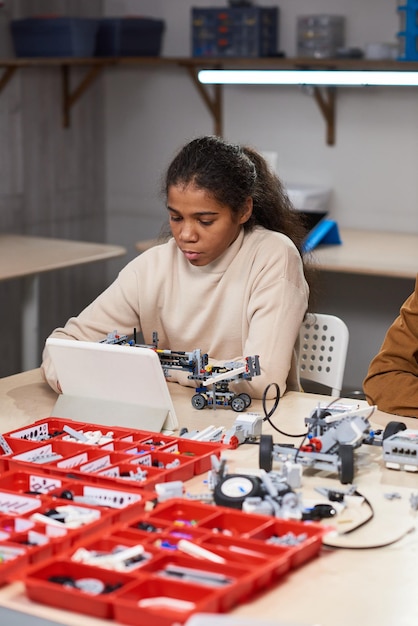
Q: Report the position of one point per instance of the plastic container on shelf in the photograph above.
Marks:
(129, 36)
(408, 33)
(320, 36)
(54, 36)
(249, 31)
(6, 45)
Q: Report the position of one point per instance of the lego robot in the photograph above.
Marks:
(332, 439)
(215, 380)
(216, 392)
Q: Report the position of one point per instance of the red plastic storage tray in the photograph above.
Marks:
(165, 584)
(118, 501)
(30, 532)
(133, 561)
(167, 457)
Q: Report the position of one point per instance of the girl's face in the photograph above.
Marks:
(203, 228)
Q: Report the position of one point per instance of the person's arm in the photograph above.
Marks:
(273, 335)
(115, 309)
(275, 313)
(392, 379)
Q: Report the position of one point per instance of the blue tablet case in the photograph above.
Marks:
(326, 231)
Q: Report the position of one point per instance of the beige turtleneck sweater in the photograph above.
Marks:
(250, 301)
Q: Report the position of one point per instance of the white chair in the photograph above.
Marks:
(323, 349)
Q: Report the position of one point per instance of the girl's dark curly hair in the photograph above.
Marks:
(230, 174)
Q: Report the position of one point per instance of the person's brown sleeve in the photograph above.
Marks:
(392, 379)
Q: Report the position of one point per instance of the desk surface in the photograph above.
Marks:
(372, 253)
(24, 255)
(341, 586)
(362, 252)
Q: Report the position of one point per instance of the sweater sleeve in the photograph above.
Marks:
(276, 309)
(392, 379)
(115, 309)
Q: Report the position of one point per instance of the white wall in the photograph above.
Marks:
(372, 168)
(51, 179)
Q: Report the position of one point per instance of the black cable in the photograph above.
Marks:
(379, 545)
(269, 414)
(363, 523)
(367, 520)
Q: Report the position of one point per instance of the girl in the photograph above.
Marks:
(231, 278)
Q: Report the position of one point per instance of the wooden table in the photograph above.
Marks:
(366, 252)
(27, 257)
(344, 586)
(371, 252)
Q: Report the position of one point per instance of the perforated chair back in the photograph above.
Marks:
(323, 350)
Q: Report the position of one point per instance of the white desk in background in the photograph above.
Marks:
(368, 252)
(343, 586)
(23, 256)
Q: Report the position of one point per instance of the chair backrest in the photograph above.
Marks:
(323, 350)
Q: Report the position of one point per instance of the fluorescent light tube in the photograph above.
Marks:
(309, 77)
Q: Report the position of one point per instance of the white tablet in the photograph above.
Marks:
(112, 385)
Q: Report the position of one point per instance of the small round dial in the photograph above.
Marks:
(233, 489)
(237, 486)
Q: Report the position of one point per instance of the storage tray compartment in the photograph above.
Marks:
(234, 581)
(76, 587)
(121, 504)
(172, 466)
(199, 451)
(160, 602)
(303, 541)
(43, 430)
(14, 560)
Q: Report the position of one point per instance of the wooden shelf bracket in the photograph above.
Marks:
(212, 95)
(326, 100)
(69, 98)
(212, 98)
(6, 76)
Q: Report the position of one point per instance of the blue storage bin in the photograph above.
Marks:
(54, 37)
(129, 36)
